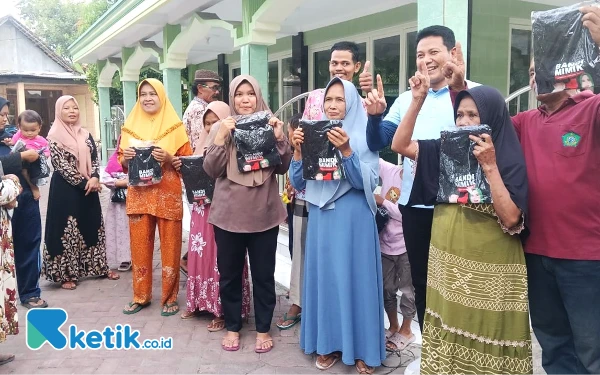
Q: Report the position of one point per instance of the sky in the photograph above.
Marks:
(9, 7)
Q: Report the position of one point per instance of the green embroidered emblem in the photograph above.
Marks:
(571, 139)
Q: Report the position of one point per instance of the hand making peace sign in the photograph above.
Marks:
(375, 99)
(454, 70)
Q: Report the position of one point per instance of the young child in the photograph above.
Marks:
(394, 261)
(30, 125)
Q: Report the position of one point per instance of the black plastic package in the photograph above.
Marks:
(143, 169)
(565, 54)
(39, 170)
(199, 186)
(382, 217)
(461, 177)
(255, 142)
(321, 160)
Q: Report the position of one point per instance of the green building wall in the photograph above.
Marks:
(490, 38)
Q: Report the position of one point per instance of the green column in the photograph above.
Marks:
(451, 13)
(254, 61)
(172, 82)
(129, 96)
(105, 133)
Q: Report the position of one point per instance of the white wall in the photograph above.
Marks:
(19, 54)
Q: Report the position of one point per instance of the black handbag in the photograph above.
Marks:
(119, 195)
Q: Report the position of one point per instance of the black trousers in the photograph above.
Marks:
(27, 238)
(231, 252)
(416, 224)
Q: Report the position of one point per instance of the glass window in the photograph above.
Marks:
(411, 56)
(387, 63)
(274, 85)
(321, 65)
(290, 79)
(386, 52)
(520, 57)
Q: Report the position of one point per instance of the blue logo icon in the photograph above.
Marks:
(43, 326)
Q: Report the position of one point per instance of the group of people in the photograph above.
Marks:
(475, 274)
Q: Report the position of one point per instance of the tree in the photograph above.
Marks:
(69, 20)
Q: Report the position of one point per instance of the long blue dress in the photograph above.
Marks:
(342, 297)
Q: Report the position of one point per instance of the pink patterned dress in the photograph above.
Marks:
(203, 275)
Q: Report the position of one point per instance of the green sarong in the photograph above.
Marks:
(477, 317)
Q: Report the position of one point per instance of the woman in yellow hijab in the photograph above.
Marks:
(154, 119)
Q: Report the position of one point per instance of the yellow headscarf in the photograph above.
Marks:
(164, 127)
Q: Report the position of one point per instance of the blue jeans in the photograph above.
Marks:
(564, 302)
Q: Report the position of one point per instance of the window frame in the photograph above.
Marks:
(368, 38)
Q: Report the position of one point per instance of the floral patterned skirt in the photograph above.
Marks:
(203, 274)
(8, 284)
(75, 241)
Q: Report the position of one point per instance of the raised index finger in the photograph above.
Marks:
(459, 54)
(380, 86)
(422, 67)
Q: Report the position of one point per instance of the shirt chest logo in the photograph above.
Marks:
(571, 139)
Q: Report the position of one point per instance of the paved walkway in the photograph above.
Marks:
(97, 303)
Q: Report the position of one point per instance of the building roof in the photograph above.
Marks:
(38, 42)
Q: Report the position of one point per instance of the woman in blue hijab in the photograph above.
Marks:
(342, 298)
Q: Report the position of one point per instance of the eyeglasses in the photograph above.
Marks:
(213, 88)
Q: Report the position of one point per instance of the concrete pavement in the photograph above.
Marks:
(97, 303)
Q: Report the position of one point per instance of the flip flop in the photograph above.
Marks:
(215, 326)
(400, 341)
(124, 267)
(111, 275)
(168, 306)
(367, 370)
(295, 320)
(258, 348)
(388, 334)
(72, 285)
(29, 305)
(137, 309)
(336, 357)
(231, 341)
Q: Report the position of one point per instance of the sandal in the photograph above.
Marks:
(216, 325)
(259, 343)
(231, 342)
(125, 266)
(322, 365)
(112, 275)
(167, 306)
(5, 358)
(31, 303)
(69, 285)
(138, 307)
(362, 367)
(399, 341)
(294, 319)
(189, 314)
